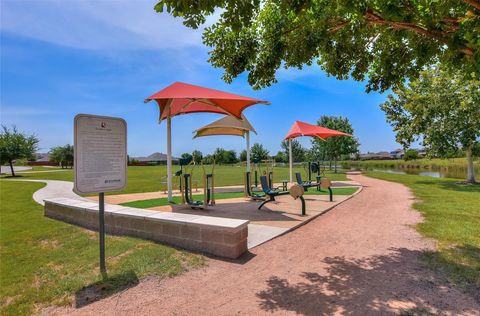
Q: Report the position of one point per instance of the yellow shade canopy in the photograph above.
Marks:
(227, 125)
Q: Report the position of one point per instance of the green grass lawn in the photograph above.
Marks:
(149, 178)
(220, 196)
(45, 262)
(452, 217)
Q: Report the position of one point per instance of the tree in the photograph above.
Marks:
(298, 152)
(186, 156)
(258, 152)
(223, 156)
(63, 155)
(442, 109)
(208, 159)
(333, 148)
(197, 156)
(281, 156)
(411, 154)
(243, 155)
(15, 145)
(382, 41)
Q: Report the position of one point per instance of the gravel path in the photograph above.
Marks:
(361, 258)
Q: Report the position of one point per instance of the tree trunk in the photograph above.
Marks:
(470, 168)
(11, 167)
(335, 164)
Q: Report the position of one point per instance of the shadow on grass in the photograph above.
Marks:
(11, 177)
(376, 285)
(109, 285)
(466, 275)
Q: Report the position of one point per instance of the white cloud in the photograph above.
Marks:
(97, 25)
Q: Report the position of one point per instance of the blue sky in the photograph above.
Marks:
(61, 58)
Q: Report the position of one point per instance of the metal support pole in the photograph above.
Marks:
(101, 230)
(247, 136)
(169, 158)
(304, 212)
(290, 159)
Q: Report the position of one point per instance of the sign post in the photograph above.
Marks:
(100, 149)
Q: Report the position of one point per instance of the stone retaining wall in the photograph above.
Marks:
(222, 237)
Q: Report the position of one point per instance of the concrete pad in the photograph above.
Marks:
(258, 234)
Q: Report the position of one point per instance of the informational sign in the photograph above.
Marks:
(100, 153)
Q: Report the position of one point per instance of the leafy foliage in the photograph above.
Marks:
(441, 108)
(243, 155)
(281, 156)
(298, 152)
(258, 152)
(333, 148)
(197, 156)
(411, 154)
(16, 145)
(186, 156)
(62, 155)
(223, 156)
(382, 41)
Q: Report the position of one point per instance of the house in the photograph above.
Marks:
(397, 154)
(382, 155)
(153, 159)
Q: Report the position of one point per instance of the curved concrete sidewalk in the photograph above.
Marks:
(53, 189)
(6, 169)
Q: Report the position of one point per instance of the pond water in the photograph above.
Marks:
(456, 174)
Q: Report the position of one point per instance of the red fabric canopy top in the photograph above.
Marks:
(304, 129)
(185, 98)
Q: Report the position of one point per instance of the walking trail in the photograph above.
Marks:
(361, 258)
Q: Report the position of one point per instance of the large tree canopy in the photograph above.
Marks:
(333, 148)
(441, 109)
(383, 41)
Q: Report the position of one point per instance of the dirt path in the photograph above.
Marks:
(361, 258)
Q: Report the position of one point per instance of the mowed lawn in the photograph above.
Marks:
(150, 178)
(452, 217)
(45, 262)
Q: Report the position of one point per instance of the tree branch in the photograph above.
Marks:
(473, 3)
(374, 18)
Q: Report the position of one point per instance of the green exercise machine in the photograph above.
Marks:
(208, 188)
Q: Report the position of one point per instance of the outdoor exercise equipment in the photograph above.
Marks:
(314, 168)
(183, 162)
(306, 184)
(268, 171)
(208, 188)
(182, 98)
(248, 188)
(327, 184)
(296, 191)
(304, 129)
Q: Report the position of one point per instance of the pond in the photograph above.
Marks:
(455, 174)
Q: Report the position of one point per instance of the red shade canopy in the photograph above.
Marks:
(304, 129)
(185, 98)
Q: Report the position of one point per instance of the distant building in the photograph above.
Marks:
(397, 154)
(42, 157)
(384, 155)
(153, 159)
